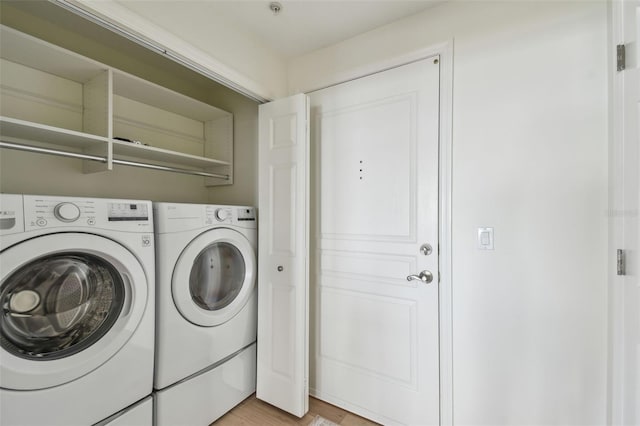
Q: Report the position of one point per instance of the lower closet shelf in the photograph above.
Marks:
(28, 148)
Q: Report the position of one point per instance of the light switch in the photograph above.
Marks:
(485, 238)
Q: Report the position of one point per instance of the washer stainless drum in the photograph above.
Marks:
(206, 310)
(77, 322)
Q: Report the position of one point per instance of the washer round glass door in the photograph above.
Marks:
(214, 277)
(67, 305)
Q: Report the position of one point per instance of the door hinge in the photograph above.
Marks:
(621, 57)
(620, 262)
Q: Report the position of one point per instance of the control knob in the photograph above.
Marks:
(66, 212)
(222, 214)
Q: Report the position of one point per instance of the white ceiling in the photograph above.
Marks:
(302, 25)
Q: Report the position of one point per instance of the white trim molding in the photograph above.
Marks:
(332, 79)
(446, 248)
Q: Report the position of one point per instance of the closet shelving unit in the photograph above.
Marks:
(57, 102)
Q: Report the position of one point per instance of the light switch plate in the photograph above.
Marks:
(485, 238)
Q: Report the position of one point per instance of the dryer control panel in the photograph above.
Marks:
(230, 214)
(246, 214)
(179, 217)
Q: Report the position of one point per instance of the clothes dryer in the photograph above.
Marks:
(206, 310)
(77, 299)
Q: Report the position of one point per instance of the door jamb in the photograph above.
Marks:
(615, 349)
(616, 342)
(445, 52)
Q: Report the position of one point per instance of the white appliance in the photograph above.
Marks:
(206, 310)
(77, 300)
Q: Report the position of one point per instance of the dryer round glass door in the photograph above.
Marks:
(217, 276)
(69, 302)
(214, 277)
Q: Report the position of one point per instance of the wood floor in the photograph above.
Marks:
(252, 411)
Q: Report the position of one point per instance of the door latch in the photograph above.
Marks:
(426, 249)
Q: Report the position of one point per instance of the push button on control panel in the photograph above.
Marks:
(41, 222)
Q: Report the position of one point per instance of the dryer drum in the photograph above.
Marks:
(217, 276)
(58, 305)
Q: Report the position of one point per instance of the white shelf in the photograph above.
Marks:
(34, 53)
(54, 98)
(158, 155)
(140, 90)
(29, 134)
(21, 131)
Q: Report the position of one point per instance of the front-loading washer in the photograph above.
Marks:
(77, 299)
(206, 310)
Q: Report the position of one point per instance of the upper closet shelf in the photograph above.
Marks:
(31, 52)
(131, 150)
(53, 97)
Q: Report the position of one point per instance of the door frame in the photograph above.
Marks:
(616, 294)
(445, 52)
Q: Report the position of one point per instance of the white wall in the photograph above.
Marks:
(530, 160)
(231, 53)
(244, 190)
(29, 173)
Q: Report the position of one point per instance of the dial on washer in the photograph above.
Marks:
(66, 212)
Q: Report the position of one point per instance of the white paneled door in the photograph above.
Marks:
(283, 272)
(374, 347)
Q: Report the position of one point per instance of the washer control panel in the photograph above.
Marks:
(51, 211)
